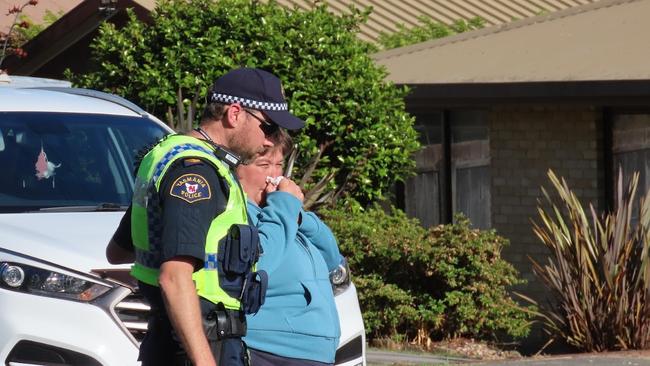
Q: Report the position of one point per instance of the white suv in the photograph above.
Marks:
(67, 160)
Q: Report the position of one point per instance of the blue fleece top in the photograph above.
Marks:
(299, 317)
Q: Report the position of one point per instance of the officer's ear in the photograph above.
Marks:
(234, 116)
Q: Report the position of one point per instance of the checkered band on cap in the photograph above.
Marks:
(262, 106)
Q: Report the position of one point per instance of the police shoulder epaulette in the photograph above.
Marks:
(192, 161)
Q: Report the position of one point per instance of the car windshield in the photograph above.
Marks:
(64, 160)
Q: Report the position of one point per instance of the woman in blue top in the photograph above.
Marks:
(298, 323)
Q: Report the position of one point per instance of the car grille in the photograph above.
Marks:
(133, 311)
(350, 351)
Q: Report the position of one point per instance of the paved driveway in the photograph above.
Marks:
(377, 357)
(576, 360)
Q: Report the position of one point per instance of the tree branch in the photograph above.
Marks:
(15, 10)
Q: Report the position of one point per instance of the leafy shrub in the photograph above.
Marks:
(357, 128)
(598, 269)
(427, 30)
(386, 305)
(449, 281)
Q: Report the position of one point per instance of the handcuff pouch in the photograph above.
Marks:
(238, 252)
(254, 292)
(240, 249)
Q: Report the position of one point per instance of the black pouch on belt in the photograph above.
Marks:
(254, 292)
(240, 249)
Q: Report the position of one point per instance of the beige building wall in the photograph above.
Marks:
(526, 141)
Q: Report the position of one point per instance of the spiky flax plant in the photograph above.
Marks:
(597, 270)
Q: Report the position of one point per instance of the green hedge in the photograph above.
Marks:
(357, 127)
(413, 283)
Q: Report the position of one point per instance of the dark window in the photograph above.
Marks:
(423, 201)
(64, 159)
(470, 165)
(464, 134)
(631, 150)
(472, 194)
(422, 193)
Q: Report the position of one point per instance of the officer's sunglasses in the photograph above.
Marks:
(269, 128)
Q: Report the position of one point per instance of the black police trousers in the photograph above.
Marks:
(161, 347)
(227, 352)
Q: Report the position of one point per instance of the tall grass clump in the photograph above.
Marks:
(597, 269)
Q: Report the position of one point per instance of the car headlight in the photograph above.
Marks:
(29, 279)
(340, 277)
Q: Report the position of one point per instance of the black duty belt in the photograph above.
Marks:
(221, 324)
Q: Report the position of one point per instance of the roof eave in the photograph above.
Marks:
(602, 92)
(68, 30)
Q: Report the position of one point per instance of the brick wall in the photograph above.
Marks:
(526, 141)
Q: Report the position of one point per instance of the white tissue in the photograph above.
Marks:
(275, 181)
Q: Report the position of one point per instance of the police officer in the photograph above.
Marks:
(194, 253)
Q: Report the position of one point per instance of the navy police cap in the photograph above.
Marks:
(255, 89)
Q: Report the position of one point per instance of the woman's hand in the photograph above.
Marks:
(284, 185)
(289, 186)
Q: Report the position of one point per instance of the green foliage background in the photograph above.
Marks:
(353, 116)
(445, 282)
(427, 30)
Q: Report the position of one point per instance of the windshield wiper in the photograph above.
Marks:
(104, 206)
(110, 206)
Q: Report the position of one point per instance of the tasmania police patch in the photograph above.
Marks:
(191, 188)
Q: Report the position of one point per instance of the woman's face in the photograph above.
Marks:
(253, 175)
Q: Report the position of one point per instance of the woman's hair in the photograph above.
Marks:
(282, 140)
